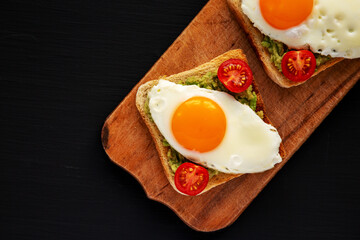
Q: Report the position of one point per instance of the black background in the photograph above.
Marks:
(65, 65)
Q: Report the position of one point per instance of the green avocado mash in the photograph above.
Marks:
(208, 81)
(176, 159)
(277, 50)
(211, 81)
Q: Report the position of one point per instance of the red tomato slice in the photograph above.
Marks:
(191, 179)
(298, 66)
(235, 74)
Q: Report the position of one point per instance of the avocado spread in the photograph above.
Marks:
(211, 81)
(277, 50)
(208, 81)
(176, 159)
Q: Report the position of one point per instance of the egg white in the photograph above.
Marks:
(249, 145)
(333, 28)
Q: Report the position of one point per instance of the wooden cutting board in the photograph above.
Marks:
(295, 112)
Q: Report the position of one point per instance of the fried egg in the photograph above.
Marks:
(328, 27)
(213, 129)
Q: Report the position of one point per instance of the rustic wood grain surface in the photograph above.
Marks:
(295, 112)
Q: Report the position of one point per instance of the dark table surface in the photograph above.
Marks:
(65, 65)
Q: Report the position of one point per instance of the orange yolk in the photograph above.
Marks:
(199, 124)
(284, 14)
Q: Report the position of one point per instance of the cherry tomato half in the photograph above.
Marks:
(298, 66)
(191, 179)
(235, 74)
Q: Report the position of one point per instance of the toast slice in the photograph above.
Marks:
(256, 37)
(141, 100)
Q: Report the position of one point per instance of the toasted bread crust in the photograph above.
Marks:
(141, 98)
(256, 37)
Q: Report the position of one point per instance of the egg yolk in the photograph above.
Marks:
(284, 14)
(199, 124)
